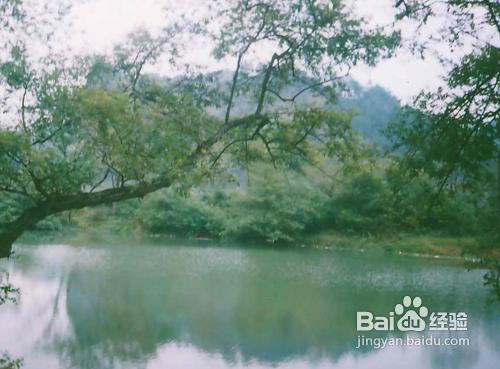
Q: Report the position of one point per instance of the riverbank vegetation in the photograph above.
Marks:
(363, 208)
(278, 149)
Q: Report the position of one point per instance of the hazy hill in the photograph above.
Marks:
(374, 105)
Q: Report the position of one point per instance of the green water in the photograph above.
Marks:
(179, 305)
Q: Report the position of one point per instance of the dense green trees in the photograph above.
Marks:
(453, 134)
(75, 143)
(97, 130)
(286, 206)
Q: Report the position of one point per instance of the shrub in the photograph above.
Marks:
(167, 211)
(278, 206)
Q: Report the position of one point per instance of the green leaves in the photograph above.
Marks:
(452, 133)
(278, 206)
(16, 71)
(319, 39)
(102, 125)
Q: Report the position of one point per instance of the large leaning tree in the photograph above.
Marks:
(453, 133)
(102, 131)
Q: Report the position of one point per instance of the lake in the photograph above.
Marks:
(183, 304)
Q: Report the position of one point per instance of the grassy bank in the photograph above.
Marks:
(421, 245)
(405, 244)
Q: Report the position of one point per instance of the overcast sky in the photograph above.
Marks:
(99, 24)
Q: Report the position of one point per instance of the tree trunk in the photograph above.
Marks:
(16, 228)
(6, 245)
(57, 204)
(54, 205)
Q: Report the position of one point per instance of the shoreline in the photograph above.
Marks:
(464, 250)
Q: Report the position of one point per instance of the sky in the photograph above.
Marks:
(99, 24)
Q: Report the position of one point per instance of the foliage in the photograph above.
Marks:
(6, 362)
(492, 277)
(283, 205)
(453, 134)
(168, 211)
(8, 293)
(95, 131)
(364, 205)
(278, 206)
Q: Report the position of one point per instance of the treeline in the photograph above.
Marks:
(279, 206)
(363, 192)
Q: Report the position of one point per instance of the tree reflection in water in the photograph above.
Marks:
(146, 306)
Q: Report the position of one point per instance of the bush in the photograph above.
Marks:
(278, 206)
(167, 211)
(363, 206)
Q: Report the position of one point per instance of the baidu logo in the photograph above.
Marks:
(411, 315)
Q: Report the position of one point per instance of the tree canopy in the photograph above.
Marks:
(453, 134)
(98, 130)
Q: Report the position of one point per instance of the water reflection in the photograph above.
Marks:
(126, 306)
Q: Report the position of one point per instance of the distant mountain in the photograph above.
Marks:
(374, 105)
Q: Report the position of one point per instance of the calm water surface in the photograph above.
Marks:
(179, 305)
